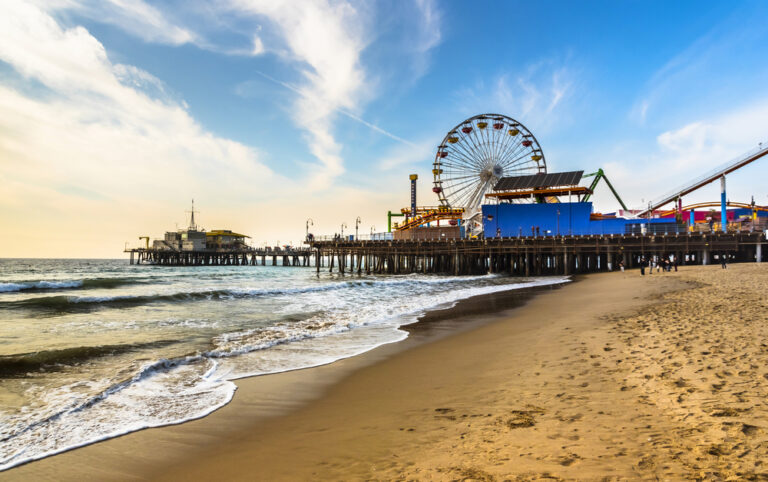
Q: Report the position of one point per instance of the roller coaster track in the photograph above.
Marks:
(713, 205)
(711, 176)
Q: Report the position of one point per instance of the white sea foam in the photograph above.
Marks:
(40, 285)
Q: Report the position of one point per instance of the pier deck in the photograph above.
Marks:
(532, 255)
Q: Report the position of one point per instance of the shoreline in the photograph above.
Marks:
(615, 376)
(273, 397)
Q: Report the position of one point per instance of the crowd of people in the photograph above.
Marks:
(660, 263)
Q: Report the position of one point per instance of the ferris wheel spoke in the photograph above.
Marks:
(472, 152)
(456, 156)
(474, 137)
(514, 149)
(468, 176)
(456, 188)
(520, 157)
(493, 145)
(484, 140)
(461, 151)
(465, 187)
(460, 158)
(477, 151)
(453, 183)
(457, 161)
(509, 141)
(511, 151)
(514, 158)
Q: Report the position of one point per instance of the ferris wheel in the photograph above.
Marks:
(478, 152)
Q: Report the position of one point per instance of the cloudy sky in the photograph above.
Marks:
(114, 114)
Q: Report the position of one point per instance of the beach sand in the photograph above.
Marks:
(613, 376)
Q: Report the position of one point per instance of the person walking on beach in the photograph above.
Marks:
(642, 266)
(723, 261)
(674, 263)
(621, 266)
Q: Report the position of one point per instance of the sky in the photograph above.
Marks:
(115, 114)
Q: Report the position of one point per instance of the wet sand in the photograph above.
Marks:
(614, 376)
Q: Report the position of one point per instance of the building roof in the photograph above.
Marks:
(224, 232)
(542, 180)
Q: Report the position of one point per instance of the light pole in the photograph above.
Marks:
(343, 225)
(558, 222)
(357, 223)
(309, 221)
(373, 228)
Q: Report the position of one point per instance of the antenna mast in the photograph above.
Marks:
(192, 225)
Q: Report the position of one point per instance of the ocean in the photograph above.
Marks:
(93, 349)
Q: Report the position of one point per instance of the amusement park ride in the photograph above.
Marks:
(491, 159)
(470, 160)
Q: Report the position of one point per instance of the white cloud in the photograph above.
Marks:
(258, 46)
(97, 145)
(326, 39)
(134, 16)
(430, 20)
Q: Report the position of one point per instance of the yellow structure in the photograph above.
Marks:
(224, 239)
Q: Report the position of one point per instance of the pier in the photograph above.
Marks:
(235, 257)
(527, 256)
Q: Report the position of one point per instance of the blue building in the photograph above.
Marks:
(554, 219)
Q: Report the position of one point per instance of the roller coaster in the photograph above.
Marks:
(717, 173)
(697, 206)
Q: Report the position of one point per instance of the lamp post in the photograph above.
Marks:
(373, 228)
(558, 222)
(357, 223)
(309, 221)
(343, 225)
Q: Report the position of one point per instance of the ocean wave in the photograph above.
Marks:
(68, 303)
(22, 363)
(104, 283)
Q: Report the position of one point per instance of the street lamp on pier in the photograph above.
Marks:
(343, 225)
(309, 222)
(357, 223)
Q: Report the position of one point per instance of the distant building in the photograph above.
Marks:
(198, 239)
(224, 239)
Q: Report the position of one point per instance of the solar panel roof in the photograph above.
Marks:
(538, 181)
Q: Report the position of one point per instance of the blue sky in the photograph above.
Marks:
(114, 114)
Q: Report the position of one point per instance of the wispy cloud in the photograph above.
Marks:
(134, 16)
(338, 109)
(326, 39)
(531, 94)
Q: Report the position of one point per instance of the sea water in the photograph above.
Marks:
(92, 349)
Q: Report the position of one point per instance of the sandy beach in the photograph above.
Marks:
(613, 376)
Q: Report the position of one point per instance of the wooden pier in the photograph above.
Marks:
(245, 257)
(526, 256)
